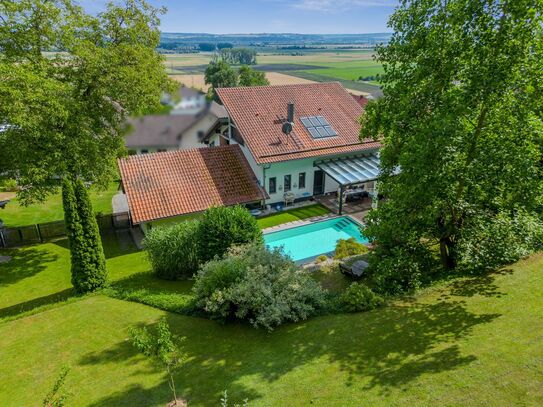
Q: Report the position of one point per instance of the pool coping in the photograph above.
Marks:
(308, 221)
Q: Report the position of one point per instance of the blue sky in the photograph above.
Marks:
(270, 16)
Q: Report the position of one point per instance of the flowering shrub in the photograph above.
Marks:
(263, 287)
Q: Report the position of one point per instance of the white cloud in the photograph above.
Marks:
(339, 5)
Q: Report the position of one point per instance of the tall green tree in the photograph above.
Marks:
(69, 81)
(461, 120)
(219, 74)
(251, 77)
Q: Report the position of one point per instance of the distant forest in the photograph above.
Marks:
(191, 42)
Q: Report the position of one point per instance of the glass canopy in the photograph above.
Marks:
(352, 170)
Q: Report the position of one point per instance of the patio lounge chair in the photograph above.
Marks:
(355, 269)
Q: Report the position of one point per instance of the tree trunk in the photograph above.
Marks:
(445, 249)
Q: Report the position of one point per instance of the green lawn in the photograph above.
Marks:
(472, 342)
(292, 215)
(51, 210)
(39, 275)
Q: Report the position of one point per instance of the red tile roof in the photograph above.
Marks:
(258, 113)
(174, 183)
(361, 100)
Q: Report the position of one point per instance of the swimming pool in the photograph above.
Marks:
(303, 243)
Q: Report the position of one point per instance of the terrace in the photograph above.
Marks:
(357, 208)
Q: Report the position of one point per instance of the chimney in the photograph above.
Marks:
(290, 112)
(287, 126)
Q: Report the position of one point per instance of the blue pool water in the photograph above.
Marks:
(309, 241)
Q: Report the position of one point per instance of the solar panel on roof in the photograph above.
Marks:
(318, 127)
(314, 132)
(322, 121)
(306, 122)
(331, 132)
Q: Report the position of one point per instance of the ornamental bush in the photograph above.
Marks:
(263, 287)
(223, 227)
(349, 247)
(172, 250)
(359, 297)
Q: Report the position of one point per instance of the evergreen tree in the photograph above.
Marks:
(92, 270)
(74, 231)
(87, 257)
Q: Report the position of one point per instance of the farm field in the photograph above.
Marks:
(349, 70)
(197, 80)
(473, 341)
(346, 66)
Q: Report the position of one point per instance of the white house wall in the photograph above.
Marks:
(294, 168)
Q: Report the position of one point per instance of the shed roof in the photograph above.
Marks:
(163, 185)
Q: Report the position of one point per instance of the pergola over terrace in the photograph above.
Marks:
(349, 171)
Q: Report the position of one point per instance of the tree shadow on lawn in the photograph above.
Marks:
(36, 302)
(25, 262)
(115, 243)
(382, 349)
(483, 285)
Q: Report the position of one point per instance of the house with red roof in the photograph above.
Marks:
(301, 140)
(283, 144)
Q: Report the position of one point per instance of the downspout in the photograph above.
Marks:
(229, 130)
(264, 168)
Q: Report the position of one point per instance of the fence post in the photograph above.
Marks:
(39, 232)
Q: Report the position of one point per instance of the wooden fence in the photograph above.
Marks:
(39, 233)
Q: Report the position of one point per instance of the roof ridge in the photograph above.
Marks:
(177, 152)
(282, 85)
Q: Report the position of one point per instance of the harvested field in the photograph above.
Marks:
(276, 78)
(197, 69)
(194, 81)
